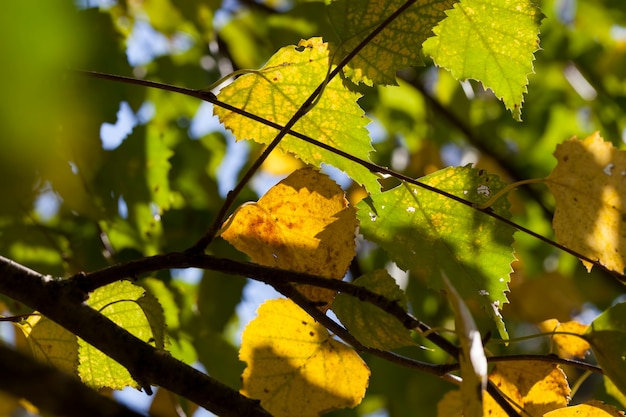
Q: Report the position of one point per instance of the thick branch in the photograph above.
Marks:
(275, 277)
(55, 392)
(63, 302)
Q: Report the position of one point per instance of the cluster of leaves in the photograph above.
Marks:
(325, 72)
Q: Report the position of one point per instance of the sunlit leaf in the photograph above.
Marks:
(589, 187)
(398, 46)
(471, 356)
(372, 326)
(588, 409)
(536, 387)
(51, 343)
(280, 88)
(607, 336)
(295, 367)
(429, 233)
(302, 224)
(123, 303)
(492, 42)
(568, 346)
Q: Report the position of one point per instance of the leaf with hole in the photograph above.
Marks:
(277, 91)
(428, 233)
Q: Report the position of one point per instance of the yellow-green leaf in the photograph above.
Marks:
(396, 47)
(589, 185)
(536, 387)
(303, 224)
(568, 346)
(372, 326)
(492, 41)
(607, 336)
(295, 368)
(51, 343)
(278, 90)
(123, 303)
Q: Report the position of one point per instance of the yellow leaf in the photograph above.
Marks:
(588, 409)
(51, 343)
(281, 163)
(589, 183)
(568, 346)
(295, 367)
(537, 387)
(302, 224)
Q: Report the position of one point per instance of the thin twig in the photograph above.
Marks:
(304, 108)
(210, 97)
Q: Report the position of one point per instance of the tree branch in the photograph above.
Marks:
(55, 392)
(63, 302)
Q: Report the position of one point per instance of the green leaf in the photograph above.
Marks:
(429, 233)
(130, 307)
(279, 89)
(490, 41)
(396, 47)
(607, 337)
(372, 326)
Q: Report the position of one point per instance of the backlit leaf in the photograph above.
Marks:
(51, 343)
(607, 336)
(542, 386)
(536, 387)
(492, 42)
(123, 303)
(398, 46)
(280, 88)
(471, 357)
(568, 346)
(589, 186)
(295, 367)
(372, 326)
(429, 233)
(302, 224)
(588, 409)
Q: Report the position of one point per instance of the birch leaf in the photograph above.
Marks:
(429, 233)
(396, 47)
(294, 366)
(589, 185)
(302, 224)
(492, 42)
(278, 90)
(372, 326)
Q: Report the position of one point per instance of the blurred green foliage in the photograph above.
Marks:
(69, 204)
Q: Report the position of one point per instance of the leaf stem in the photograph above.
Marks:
(505, 190)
